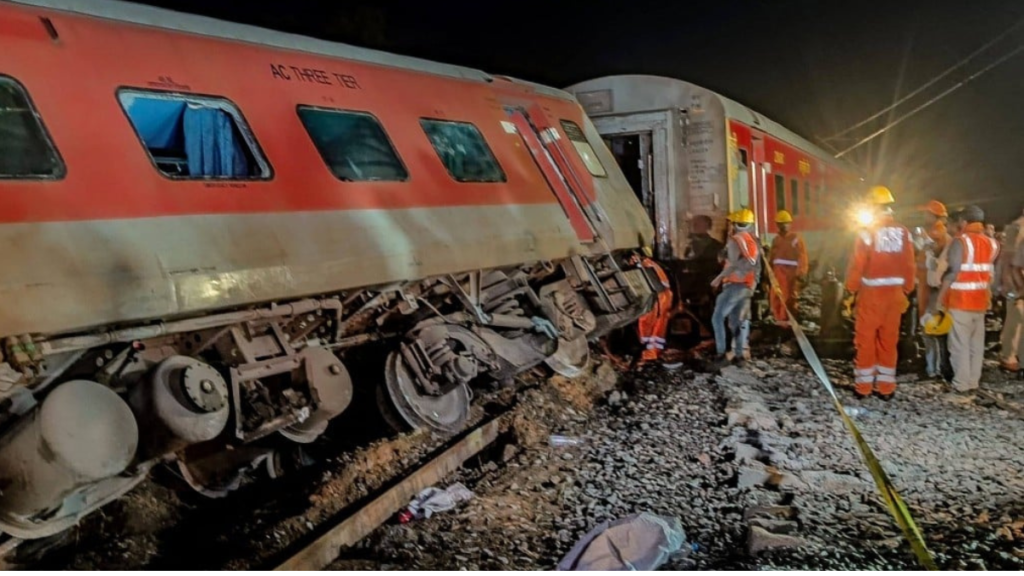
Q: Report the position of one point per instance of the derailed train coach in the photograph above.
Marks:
(207, 225)
(689, 151)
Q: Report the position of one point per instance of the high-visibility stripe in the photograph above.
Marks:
(976, 267)
(783, 262)
(876, 282)
(865, 371)
(864, 379)
(884, 370)
(969, 286)
(887, 378)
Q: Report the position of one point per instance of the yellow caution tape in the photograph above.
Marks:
(897, 507)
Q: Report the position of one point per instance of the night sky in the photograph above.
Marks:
(816, 66)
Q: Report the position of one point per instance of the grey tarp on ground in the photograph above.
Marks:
(432, 500)
(637, 542)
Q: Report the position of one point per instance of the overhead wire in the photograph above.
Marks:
(929, 83)
(931, 101)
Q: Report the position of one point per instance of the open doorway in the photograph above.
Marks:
(633, 154)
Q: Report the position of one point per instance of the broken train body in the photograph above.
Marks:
(206, 225)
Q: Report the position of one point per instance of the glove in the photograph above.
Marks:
(848, 303)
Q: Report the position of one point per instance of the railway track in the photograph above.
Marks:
(301, 520)
(323, 550)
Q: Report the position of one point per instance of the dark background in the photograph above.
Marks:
(816, 66)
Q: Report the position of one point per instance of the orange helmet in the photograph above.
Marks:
(937, 208)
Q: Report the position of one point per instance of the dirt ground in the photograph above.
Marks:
(759, 468)
(754, 462)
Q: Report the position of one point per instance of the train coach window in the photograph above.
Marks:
(794, 196)
(194, 137)
(583, 148)
(463, 151)
(353, 145)
(25, 148)
(808, 205)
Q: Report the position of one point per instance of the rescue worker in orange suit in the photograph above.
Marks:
(653, 326)
(737, 280)
(966, 295)
(788, 257)
(930, 246)
(881, 277)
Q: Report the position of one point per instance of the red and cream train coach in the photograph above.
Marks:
(205, 225)
(687, 151)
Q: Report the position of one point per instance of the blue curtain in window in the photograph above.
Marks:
(158, 122)
(211, 146)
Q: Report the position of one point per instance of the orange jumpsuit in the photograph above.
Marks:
(653, 326)
(881, 274)
(941, 237)
(788, 257)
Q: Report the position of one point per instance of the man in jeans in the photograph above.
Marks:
(1009, 284)
(966, 294)
(737, 280)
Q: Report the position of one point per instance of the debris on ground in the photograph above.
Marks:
(432, 500)
(754, 462)
(637, 542)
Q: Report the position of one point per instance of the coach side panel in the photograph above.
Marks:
(112, 240)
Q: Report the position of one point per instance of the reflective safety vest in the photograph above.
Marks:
(970, 289)
(882, 257)
(745, 269)
(648, 263)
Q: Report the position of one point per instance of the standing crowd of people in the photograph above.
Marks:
(958, 267)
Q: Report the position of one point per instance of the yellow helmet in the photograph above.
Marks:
(783, 217)
(744, 216)
(647, 251)
(881, 195)
(938, 324)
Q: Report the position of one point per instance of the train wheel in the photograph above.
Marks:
(404, 406)
(571, 358)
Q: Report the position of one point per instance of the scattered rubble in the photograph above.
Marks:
(754, 462)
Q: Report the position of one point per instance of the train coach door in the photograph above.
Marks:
(557, 181)
(633, 154)
(760, 168)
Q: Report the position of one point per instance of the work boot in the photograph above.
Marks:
(1009, 365)
(885, 390)
(718, 362)
(862, 390)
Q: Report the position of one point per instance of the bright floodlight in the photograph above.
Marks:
(865, 217)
